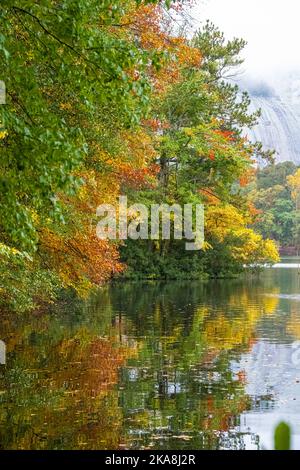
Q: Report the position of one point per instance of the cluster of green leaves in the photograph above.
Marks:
(272, 196)
(22, 281)
(68, 70)
(58, 56)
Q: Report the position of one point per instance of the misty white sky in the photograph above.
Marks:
(271, 27)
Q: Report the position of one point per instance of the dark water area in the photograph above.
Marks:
(179, 365)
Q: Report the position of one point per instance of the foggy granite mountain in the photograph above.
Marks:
(279, 126)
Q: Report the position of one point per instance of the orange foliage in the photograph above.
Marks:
(228, 135)
(156, 124)
(253, 210)
(82, 259)
(150, 25)
(209, 196)
(136, 178)
(247, 177)
(211, 155)
(95, 365)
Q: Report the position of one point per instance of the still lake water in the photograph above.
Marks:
(157, 366)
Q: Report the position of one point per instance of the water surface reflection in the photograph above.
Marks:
(156, 366)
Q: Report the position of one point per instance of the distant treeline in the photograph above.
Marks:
(275, 193)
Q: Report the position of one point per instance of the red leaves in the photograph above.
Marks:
(227, 134)
(156, 125)
(136, 178)
(211, 155)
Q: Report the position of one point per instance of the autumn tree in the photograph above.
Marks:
(78, 77)
(203, 157)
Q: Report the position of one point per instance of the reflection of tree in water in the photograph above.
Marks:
(168, 346)
(180, 391)
(57, 391)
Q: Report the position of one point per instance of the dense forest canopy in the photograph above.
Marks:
(275, 193)
(107, 98)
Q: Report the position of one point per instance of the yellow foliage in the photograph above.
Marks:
(221, 220)
(225, 222)
(3, 134)
(294, 183)
(65, 106)
(8, 251)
